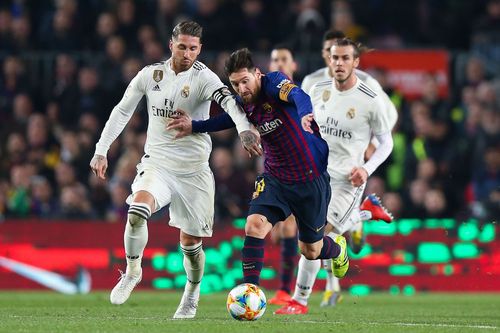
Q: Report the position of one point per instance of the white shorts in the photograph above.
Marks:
(191, 196)
(343, 210)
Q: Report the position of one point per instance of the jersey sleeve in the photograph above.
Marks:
(121, 113)
(214, 89)
(379, 119)
(307, 85)
(280, 87)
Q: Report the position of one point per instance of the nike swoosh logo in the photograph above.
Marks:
(318, 229)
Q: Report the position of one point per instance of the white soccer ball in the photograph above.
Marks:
(246, 302)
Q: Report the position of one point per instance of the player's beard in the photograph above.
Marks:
(183, 64)
(346, 78)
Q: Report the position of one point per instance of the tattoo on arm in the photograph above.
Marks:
(248, 138)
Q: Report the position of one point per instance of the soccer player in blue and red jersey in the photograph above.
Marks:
(295, 180)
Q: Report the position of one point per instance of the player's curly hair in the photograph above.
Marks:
(190, 28)
(239, 59)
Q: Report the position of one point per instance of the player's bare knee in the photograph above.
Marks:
(257, 226)
(138, 214)
(311, 254)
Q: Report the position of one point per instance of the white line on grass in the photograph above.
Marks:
(289, 320)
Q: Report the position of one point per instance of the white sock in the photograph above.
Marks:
(327, 266)
(365, 215)
(136, 236)
(306, 276)
(194, 265)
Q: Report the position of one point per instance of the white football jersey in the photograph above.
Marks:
(347, 120)
(191, 91)
(323, 74)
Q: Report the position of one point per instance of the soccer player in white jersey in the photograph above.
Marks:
(172, 171)
(371, 205)
(348, 112)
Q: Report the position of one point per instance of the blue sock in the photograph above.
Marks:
(252, 257)
(288, 255)
(330, 249)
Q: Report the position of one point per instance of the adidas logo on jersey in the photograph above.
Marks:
(156, 88)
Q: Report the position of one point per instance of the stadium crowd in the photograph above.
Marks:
(66, 63)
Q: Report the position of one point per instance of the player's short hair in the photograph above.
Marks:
(283, 46)
(333, 34)
(239, 59)
(357, 47)
(190, 28)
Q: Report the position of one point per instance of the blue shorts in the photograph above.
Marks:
(307, 201)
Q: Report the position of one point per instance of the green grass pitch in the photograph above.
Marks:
(151, 311)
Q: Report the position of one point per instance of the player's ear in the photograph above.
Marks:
(170, 44)
(199, 49)
(356, 62)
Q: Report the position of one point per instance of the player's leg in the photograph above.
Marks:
(149, 194)
(288, 254)
(194, 264)
(343, 215)
(266, 208)
(192, 211)
(331, 295)
(313, 245)
(135, 239)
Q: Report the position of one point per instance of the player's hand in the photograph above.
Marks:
(181, 122)
(99, 165)
(251, 143)
(306, 122)
(358, 176)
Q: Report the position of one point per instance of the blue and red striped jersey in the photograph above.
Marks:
(291, 154)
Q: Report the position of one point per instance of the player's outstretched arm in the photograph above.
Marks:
(99, 165)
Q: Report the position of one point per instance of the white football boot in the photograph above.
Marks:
(188, 306)
(121, 292)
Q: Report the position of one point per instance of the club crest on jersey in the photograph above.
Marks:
(185, 91)
(267, 107)
(326, 95)
(351, 113)
(158, 75)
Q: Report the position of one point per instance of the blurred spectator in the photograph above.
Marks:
(118, 209)
(91, 99)
(18, 197)
(435, 204)
(43, 203)
(168, 14)
(106, 27)
(394, 204)
(12, 82)
(5, 29)
(21, 35)
(74, 203)
(65, 88)
(231, 193)
(255, 25)
(127, 20)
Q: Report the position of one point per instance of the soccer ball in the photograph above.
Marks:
(246, 302)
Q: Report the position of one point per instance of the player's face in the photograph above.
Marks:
(343, 62)
(185, 49)
(282, 60)
(325, 52)
(246, 84)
